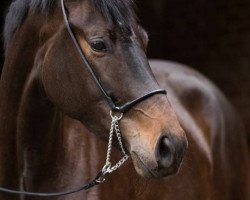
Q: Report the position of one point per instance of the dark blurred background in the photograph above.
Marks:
(3, 8)
(211, 36)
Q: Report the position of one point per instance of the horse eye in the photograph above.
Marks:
(98, 45)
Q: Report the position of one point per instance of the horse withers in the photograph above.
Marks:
(49, 104)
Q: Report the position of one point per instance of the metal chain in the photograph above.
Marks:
(108, 168)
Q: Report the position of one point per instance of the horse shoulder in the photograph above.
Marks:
(211, 123)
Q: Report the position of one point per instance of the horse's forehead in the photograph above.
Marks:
(87, 14)
(94, 23)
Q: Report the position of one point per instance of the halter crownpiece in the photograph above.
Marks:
(114, 129)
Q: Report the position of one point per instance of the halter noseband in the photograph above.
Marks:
(108, 168)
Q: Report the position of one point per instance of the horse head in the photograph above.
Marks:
(114, 45)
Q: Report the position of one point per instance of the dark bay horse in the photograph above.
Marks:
(54, 121)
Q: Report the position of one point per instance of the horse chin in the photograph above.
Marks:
(143, 170)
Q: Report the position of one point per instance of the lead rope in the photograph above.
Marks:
(100, 178)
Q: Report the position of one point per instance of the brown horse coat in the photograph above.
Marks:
(44, 150)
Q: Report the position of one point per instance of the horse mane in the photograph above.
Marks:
(116, 11)
(17, 13)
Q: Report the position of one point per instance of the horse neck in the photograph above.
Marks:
(52, 147)
(35, 137)
(18, 66)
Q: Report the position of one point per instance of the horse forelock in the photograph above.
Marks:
(119, 12)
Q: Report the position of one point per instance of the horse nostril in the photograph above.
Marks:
(165, 153)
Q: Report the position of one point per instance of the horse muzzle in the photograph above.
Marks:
(166, 159)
